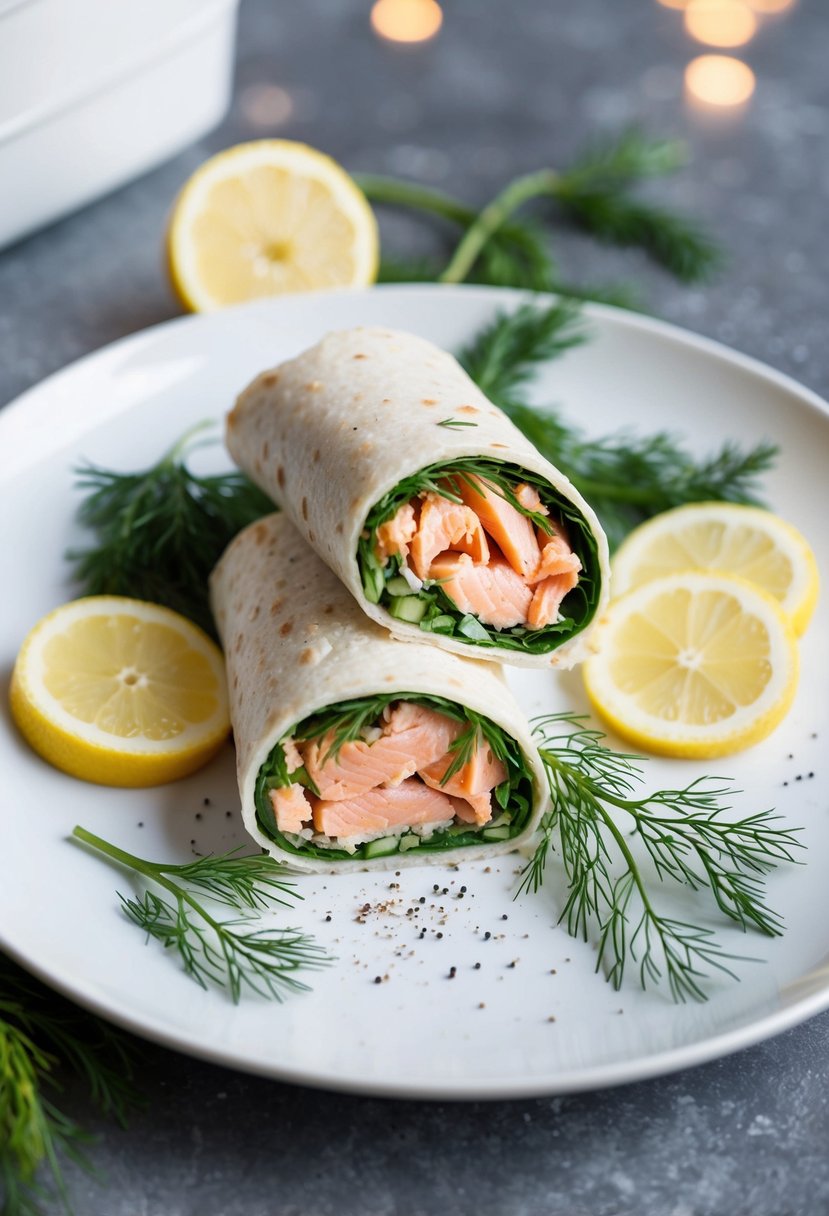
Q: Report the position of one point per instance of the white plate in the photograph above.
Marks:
(419, 1033)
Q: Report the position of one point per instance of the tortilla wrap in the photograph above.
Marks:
(331, 432)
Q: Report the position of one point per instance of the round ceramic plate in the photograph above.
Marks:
(526, 1012)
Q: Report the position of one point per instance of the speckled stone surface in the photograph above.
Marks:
(505, 88)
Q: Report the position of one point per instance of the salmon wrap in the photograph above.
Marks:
(354, 751)
(439, 516)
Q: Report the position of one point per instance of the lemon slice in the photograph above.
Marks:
(266, 218)
(730, 539)
(693, 665)
(120, 692)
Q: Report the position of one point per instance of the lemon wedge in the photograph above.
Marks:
(693, 665)
(120, 692)
(718, 536)
(266, 218)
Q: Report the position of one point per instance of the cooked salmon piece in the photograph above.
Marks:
(291, 807)
(293, 760)
(481, 773)
(512, 532)
(395, 535)
(409, 803)
(412, 736)
(475, 808)
(530, 499)
(547, 598)
(495, 594)
(556, 557)
(446, 525)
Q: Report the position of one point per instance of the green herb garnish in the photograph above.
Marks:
(345, 721)
(228, 953)
(159, 532)
(598, 824)
(42, 1037)
(455, 424)
(596, 193)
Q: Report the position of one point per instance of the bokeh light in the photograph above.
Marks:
(771, 6)
(406, 20)
(719, 80)
(266, 105)
(673, 3)
(720, 22)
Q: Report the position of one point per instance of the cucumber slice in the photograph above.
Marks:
(501, 833)
(398, 586)
(373, 583)
(442, 624)
(382, 847)
(407, 608)
(503, 820)
(409, 842)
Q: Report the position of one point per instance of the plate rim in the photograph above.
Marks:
(636, 1068)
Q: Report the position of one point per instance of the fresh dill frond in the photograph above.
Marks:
(506, 353)
(43, 1037)
(159, 532)
(687, 834)
(231, 954)
(455, 424)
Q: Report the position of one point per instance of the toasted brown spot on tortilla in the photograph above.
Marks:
(276, 605)
(313, 386)
(254, 612)
(286, 628)
(238, 644)
(359, 356)
(387, 401)
(455, 683)
(312, 537)
(497, 445)
(260, 534)
(306, 656)
(367, 447)
(280, 477)
(429, 401)
(305, 508)
(468, 409)
(328, 609)
(316, 456)
(266, 450)
(390, 679)
(339, 528)
(236, 680)
(270, 378)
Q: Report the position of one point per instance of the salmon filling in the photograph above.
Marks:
(389, 774)
(481, 556)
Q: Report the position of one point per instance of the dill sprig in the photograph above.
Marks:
(42, 1036)
(689, 840)
(597, 193)
(159, 532)
(228, 953)
(626, 477)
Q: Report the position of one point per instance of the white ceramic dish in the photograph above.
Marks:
(419, 1033)
(93, 93)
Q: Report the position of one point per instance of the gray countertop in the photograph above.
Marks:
(504, 88)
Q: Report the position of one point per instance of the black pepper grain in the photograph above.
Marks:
(328, 917)
(476, 966)
(207, 802)
(463, 890)
(198, 814)
(378, 979)
(487, 935)
(505, 917)
(453, 971)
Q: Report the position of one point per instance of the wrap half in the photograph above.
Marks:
(441, 518)
(354, 751)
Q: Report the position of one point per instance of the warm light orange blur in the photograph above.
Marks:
(720, 22)
(719, 80)
(771, 6)
(673, 3)
(406, 20)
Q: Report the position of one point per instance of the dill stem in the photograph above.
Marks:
(149, 869)
(636, 495)
(494, 216)
(397, 193)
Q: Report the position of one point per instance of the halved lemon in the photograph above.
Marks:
(266, 218)
(693, 665)
(120, 692)
(719, 536)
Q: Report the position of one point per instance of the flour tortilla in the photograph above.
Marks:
(295, 641)
(330, 432)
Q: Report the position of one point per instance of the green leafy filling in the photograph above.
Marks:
(346, 720)
(432, 609)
